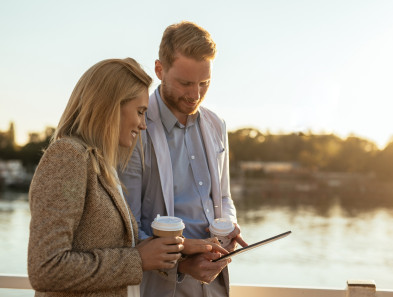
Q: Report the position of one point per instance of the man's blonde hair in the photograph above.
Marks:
(93, 110)
(187, 39)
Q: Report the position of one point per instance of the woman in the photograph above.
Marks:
(83, 237)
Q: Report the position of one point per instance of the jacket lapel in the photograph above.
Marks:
(160, 144)
(121, 206)
(117, 198)
(207, 131)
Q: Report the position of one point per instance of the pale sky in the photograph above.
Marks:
(282, 65)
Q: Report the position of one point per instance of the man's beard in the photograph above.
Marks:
(175, 102)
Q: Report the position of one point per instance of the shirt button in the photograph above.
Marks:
(200, 183)
(193, 157)
(207, 210)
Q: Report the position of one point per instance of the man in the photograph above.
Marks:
(183, 170)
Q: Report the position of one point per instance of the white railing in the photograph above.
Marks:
(354, 288)
(13, 281)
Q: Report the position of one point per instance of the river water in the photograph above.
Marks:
(332, 240)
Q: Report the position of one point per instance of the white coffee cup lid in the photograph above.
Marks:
(221, 227)
(167, 223)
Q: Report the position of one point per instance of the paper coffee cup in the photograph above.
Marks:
(220, 228)
(167, 226)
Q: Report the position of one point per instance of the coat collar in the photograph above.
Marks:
(122, 207)
(114, 194)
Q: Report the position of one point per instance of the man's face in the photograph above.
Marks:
(184, 85)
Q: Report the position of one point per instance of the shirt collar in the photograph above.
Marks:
(168, 118)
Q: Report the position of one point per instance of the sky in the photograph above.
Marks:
(282, 66)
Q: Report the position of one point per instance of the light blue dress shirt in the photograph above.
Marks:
(191, 177)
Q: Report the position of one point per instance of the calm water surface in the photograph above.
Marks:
(331, 241)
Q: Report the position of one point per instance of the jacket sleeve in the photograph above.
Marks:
(57, 198)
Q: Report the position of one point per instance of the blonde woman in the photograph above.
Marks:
(83, 237)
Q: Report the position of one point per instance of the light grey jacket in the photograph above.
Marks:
(149, 190)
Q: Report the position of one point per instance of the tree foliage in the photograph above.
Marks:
(311, 151)
(322, 152)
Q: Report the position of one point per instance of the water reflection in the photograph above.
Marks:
(293, 196)
(339, 233)
(11, 203)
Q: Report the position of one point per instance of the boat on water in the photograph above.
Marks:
(353, 288)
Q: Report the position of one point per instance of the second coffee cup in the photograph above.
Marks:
(220, 228)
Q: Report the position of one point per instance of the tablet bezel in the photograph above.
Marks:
(254, 245)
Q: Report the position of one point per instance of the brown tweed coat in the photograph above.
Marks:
(80, 235)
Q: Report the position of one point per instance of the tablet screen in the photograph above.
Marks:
(254, 245)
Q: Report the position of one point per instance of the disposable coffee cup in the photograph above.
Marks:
(220, 228)
(167, 226)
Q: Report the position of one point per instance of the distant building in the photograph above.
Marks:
(7, 138)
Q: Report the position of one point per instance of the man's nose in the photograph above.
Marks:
(195, 92)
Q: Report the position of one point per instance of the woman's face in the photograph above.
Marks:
(132, 119)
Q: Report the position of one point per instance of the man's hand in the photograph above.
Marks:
(237, 238)
(201, 267)
(196, 246)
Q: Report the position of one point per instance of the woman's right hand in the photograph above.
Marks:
(160, 253)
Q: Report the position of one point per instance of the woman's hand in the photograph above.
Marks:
(160, 253)
(197, 246)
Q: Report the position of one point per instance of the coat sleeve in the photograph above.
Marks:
(57, 198)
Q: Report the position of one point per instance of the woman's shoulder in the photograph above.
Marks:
(62, 155)
(67, 146)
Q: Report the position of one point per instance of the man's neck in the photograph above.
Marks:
(182, 118)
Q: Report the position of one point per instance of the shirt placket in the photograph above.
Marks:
(200, 179)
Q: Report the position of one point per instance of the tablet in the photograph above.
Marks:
(254, 245)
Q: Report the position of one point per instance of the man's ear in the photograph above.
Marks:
(158, 69)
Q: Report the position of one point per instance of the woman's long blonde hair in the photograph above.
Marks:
(93, 111)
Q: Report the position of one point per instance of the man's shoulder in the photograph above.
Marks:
(210, 115)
